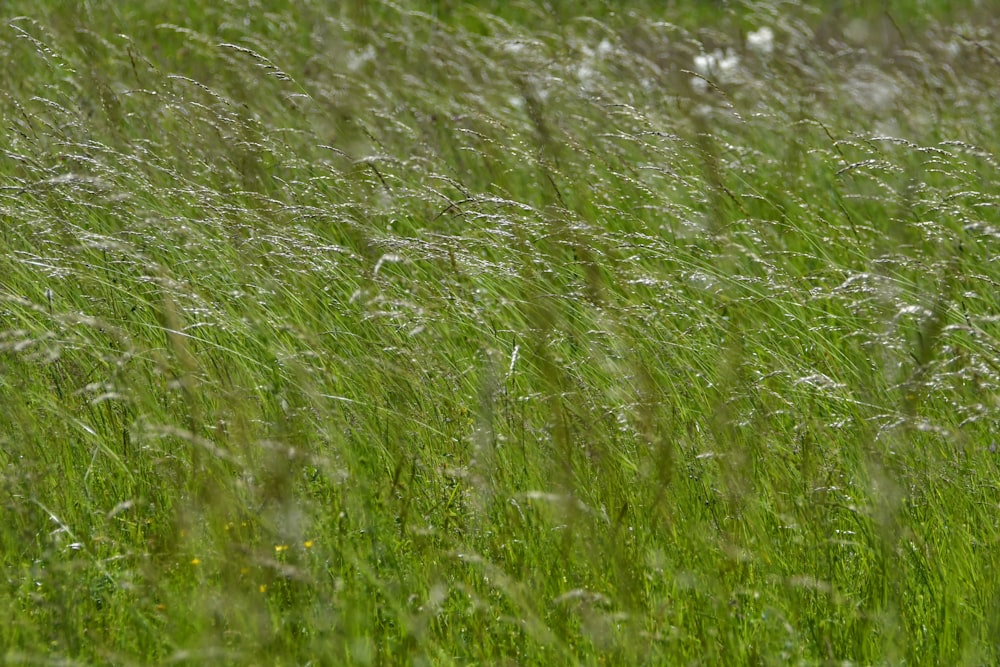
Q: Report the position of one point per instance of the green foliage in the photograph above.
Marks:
(509, 333)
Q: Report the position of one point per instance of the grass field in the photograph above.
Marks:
(428, 334)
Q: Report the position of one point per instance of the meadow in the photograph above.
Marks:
(437, 333)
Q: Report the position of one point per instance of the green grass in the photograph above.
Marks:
(380, 333)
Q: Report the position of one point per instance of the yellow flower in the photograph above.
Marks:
(278, 548)
(196, 561)
(308, 544)
(263, 588)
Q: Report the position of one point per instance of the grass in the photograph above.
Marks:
(442, 334)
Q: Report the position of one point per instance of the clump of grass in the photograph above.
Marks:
(447, 334)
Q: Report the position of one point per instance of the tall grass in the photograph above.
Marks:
(380, 333)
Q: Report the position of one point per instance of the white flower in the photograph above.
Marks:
(871, 89)
(586, 71)
(761, 41)
(699, 84)
(718, 66)
(358, 59)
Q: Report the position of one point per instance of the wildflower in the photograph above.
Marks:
(359, 58)
(196, 561)
(278, 548)
(586, 71)
(263, 588)
(308, 544)
(717, 65)
(761, 41)
(871, 89)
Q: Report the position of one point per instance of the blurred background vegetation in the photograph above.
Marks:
(499, 333)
